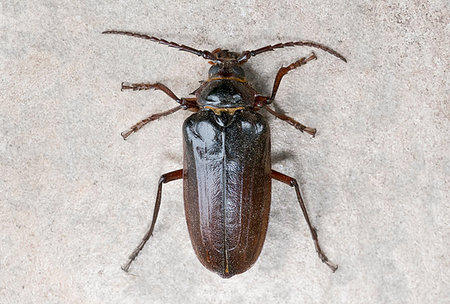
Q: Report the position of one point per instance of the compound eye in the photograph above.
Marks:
(213, 70)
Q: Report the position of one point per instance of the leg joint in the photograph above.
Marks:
(162, 179)
(293, 183)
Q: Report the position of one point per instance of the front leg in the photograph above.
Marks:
(263, 101)
(284, 70)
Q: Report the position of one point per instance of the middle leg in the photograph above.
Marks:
(292, 122)
(185, 103)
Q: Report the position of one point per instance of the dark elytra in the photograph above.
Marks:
(227, 173)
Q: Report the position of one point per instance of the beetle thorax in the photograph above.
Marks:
(226, 89)
(225, 94)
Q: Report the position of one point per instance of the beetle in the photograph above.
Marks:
(227, 171)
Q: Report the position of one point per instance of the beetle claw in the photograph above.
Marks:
(332, 266)
(126, 266)
(325, 260)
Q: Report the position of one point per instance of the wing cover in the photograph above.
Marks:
(227, 188)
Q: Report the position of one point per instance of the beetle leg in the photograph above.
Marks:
(150, 118)
(262, 101)
(165, 178)
(148, 86)
(292, 122)
(185, 103)
(293, 183)
(284, 70)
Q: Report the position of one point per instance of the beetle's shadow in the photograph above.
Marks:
(256, 81)
(260, 85)
(281, 156)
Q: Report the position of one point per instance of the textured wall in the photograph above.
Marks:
(76, 198)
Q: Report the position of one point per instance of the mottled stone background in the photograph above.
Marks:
(76, 198)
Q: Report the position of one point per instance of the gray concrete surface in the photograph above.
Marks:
(76, 198)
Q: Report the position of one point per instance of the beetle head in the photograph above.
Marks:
(226, 70)
(225, 55)
(226, 89)
(225, 65)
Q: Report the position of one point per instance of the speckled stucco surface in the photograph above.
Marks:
(75, 199)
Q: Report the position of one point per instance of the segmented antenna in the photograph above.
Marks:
(241, 59)
(181, 47)
(246, 55)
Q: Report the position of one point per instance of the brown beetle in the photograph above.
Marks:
(227, 173)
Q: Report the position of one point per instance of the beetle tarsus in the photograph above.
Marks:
(292, 122)
(126, 266)
(150, 118)
(322, 256)
(147, 86)
(332, 266)
(125, 134)
(311, 131)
